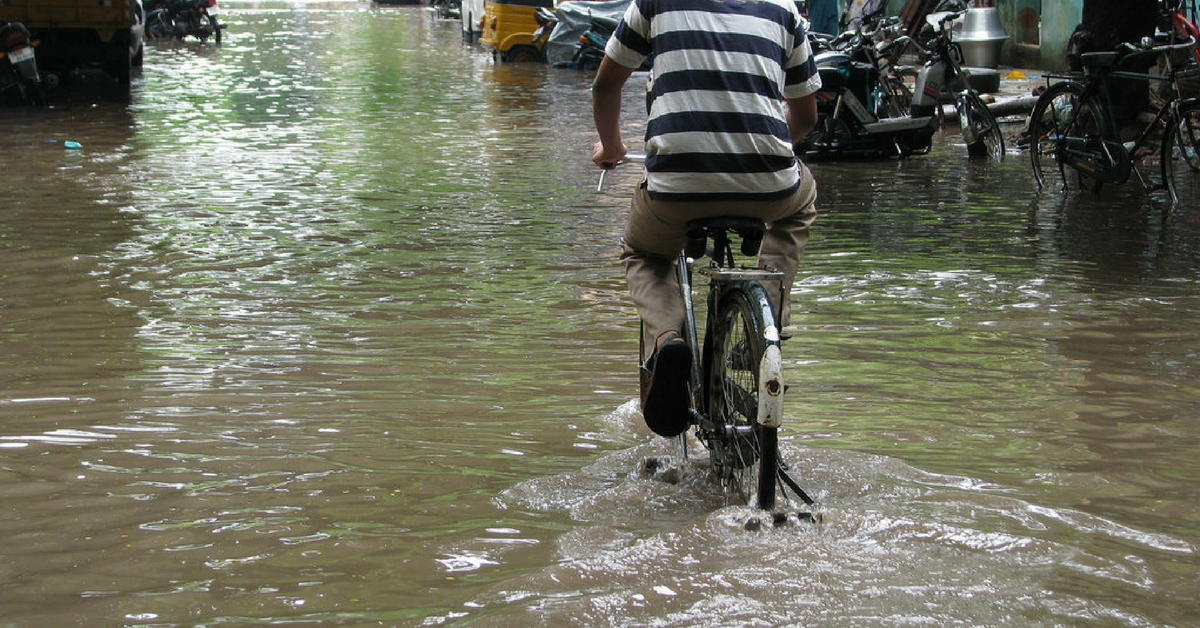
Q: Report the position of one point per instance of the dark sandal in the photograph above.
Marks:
(667, 407)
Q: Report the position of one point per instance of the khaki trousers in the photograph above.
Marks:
(657, 231)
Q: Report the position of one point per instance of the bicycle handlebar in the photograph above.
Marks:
(636, 157)
(1147, 46)
(940, 19)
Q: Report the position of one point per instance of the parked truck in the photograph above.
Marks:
(72, 34)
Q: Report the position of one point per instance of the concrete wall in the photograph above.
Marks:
(1038, 31)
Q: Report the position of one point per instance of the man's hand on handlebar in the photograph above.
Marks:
(608, 159)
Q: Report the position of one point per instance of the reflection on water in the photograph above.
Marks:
(321, 333)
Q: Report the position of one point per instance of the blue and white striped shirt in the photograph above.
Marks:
(717, 128)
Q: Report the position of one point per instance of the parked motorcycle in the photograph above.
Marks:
(447, 9)
(590, 49)
(864, 107)
(943, 74)
(19, 77)
(177, 19)
(859, 106)
(546, 20)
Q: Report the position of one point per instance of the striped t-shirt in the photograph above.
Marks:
(717, 128)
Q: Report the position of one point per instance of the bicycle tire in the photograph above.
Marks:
(1065, 107)
(1180, 156)
(744, 454)
(979, 128)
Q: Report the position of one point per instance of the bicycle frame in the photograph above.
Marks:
(683, 274)
(723, 278)
(1106, 158)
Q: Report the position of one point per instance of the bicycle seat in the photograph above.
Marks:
(751, 231)
(1099, 59)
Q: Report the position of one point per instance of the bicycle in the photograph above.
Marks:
(737, 391)
(1071, 127)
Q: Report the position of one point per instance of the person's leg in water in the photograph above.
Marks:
(783, 244)
(651, 246)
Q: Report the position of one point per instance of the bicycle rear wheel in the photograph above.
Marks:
(744, 454)
(979, 128)
(1064, 111)
(1181, 156)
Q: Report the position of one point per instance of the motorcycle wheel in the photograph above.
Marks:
(23, 94)
(831, 135)
(158, 26)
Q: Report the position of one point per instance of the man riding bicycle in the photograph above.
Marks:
(733, 89)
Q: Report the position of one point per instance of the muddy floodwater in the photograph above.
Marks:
(326, 327)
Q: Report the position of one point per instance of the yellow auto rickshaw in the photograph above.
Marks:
(508, 28)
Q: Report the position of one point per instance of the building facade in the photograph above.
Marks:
(1038, 30)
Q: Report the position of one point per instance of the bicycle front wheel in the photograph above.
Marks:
(744, 454)
(979, 128)
(1181, 156)
(1061, 112)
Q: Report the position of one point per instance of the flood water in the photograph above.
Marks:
(326, 327)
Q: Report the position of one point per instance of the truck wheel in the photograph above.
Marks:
(120, 61)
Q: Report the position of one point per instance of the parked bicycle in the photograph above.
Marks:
(1072, 127)
(737, 391)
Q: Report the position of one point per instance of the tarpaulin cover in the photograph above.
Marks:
(573, 20)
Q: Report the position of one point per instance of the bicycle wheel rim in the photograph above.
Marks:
(1060, 111)
(1181, 157)
(743, 454)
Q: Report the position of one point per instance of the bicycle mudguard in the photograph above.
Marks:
(770, 387)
